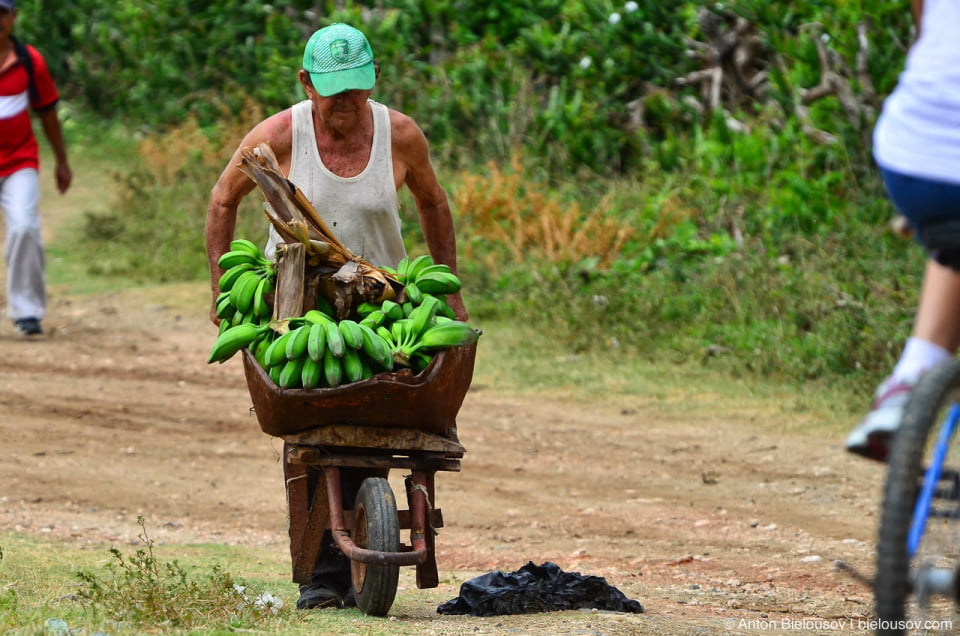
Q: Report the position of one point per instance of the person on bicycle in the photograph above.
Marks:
(349, 155)
(916, 144)
(25, 84)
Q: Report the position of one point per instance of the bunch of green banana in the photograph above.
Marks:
(248, 279)
(317, 351)
(421, 333)
(421, 276)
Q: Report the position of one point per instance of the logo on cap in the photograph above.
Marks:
(340, 50)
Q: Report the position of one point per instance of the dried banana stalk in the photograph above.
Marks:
(349, 278)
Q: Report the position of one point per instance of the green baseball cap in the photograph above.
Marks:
(339, 58)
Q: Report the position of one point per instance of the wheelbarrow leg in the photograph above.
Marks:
(309, 517)
(421, 500)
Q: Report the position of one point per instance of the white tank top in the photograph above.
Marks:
(363, 210)
(918, 132)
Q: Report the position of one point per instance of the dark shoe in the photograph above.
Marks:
(315, 596)
(29, 326)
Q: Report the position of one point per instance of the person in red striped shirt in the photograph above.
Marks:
(25, 84)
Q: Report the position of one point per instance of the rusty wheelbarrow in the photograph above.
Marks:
(392, 420)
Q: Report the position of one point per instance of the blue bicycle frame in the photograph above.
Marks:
(930, 478)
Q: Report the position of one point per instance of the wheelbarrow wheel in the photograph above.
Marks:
(375, 527)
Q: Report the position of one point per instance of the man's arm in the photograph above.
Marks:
(232, 186)
(433, 208)
(54, 134)
(917, 7)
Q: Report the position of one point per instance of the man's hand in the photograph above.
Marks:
(64, 177)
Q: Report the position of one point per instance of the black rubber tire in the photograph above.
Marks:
(375, 527)
(923, 413)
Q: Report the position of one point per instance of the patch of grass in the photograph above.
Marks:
(141, 590)
(55, 588)
(526, 359)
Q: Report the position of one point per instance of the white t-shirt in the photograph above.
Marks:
(918, 132)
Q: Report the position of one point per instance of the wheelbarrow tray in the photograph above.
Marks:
(428, 401)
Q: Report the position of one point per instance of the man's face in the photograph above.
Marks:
(7, 18)
(342, 111)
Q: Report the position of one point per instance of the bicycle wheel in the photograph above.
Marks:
(375, 527)
(918, 547)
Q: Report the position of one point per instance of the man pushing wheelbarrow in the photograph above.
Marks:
(355, 354)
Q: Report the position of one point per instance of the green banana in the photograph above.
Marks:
(229, 278)
(366, 371)
(435, 268)
(402, 268)
(352, 336)
(312, 373)
(316, 341)
(438, 283)
(376, 348)
(244, 245)
(446, 310)
(224, 325)
(393, 310)
(387, 336)
(261, 308)
(274, 374)
(276, 354)
(317, 317)
(374, 319)
(422, 316)
(291, 374)
(417, 265)
(233, 340)
(260, 347)
(352, 367)
(244, 289)
(296, 346)
(413, 293)
(451, 334)
(398, 331)
(335, 343)
(332, 370)
(225, 308)
(364, 309)
(236, 257)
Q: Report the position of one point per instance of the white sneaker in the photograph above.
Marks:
(872, 436)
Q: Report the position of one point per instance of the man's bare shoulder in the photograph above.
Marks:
(404, 129)
(277, 130)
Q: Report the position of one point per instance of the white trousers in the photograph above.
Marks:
(23, 247)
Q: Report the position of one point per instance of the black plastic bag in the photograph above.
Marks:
(536, 588)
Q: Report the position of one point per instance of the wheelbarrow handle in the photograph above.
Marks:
(375, 557)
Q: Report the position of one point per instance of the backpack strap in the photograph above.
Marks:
(23, 55)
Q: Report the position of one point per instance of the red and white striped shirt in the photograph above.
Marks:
(18, 145)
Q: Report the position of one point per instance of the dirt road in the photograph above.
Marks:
(698, 506)
(693, 507)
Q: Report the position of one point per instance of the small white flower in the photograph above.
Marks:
(614, 18)
(267, 602)
(631, 6)
(586, 62)
(825, 38)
